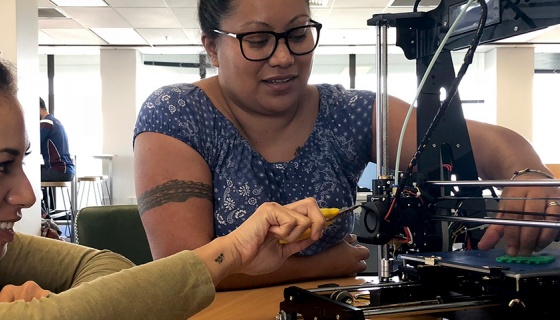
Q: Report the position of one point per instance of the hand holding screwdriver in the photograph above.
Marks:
(330, 214)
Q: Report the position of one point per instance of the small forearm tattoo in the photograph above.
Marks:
(220, 258)
(173, 191)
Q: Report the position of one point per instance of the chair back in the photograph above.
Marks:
(117, 228)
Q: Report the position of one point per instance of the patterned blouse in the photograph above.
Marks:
(327, 167)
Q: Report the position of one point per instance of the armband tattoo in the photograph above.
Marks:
(173, 191)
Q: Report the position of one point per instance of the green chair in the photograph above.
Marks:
(117, 228)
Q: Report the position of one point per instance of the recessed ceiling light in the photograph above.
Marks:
(80, 3)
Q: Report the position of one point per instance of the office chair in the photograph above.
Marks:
(117, 228)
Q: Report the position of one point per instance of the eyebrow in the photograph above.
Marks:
(267, 25)
(11, 151)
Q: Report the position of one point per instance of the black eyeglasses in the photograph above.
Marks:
(261, 45)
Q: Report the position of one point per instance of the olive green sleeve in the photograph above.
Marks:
(175, 287)
(56, 265)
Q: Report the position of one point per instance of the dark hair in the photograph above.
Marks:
(7, 79)
(42, 103)
(211, 13)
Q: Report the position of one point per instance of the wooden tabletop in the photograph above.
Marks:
(264, 303)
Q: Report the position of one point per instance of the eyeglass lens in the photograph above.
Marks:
(261, 45)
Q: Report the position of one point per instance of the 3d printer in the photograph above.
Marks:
(416, 221)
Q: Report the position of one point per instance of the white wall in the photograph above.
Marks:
(119, 74)
(512, 71)
(546, 116)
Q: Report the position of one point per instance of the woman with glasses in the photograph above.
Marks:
(43, 278)
(207, 154)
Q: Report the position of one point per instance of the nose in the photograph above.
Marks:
(21, 193)
(282, 56)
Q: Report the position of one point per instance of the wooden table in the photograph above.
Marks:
(264, 303)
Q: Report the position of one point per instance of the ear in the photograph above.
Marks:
(210, 47)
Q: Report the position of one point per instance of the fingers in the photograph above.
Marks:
(491, 237)
(512, 233)
(7, 294)
(362, 254)
(526, 238)
(520, 240)
(354, 261)
(291, 228)
(257, 243)
(309, 208)
(295, 221)
(549, 234)
(26, 292)
(536, 239)
(351, 239)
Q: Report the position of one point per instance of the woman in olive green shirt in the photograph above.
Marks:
(48, 279)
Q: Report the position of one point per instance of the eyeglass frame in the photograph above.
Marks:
(278, 36)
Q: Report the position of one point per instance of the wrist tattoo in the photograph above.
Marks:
(173, 191)
(220, 258)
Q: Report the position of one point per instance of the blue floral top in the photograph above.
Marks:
(326, 168)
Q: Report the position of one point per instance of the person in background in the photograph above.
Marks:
(42, 278)
(208, 154)
(58, 165)
(57, 161)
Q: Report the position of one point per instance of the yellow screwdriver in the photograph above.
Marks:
(330, 214)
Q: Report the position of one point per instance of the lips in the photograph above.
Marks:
(279, 81)
(6, 231)
(280, 85)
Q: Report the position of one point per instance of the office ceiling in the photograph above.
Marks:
(165, 25)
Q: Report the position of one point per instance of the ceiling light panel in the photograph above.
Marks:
(182, 3)
(80, 3)
(119, 36)
(96, 17)
(136, 3)
(71, 37)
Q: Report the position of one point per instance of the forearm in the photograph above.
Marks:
(294, 269)
(499, 152)
(175, 287)
(77, 265)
